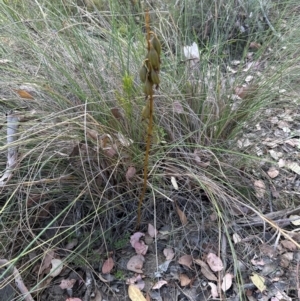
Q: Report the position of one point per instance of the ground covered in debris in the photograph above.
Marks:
(221, 214)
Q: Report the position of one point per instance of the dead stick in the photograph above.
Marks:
(18, 280)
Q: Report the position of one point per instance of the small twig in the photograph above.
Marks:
(18, 280)
(298, 281)
(12, 153)
(88, 284)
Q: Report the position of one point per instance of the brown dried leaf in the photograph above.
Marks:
(67, 283)
(108, 265)
(273, 172)
(24, 94)
(169, 253)
(214, 262)
(184, 280)
(186, 260)
(246, 92)
(159, 284)
(213, 290)
(226, 282)
(289, 245)
(181, 215)
(57, 267)
(205, 270)
(92, 134)
(117, 113)
(152, 231)
(131, 171)
(260, 188)
(135, 264)
(47, 261)
(110, 151)
(135, 294)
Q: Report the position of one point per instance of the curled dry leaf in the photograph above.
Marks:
(273, 172)
(186, 260)
(135, 264)
(140, 248)
(214, 290)
(108, 265)
(135, 238)
(67, 283)
(184, 280)
(206, 271)
(138, 245)
(131, 171)
(159, 284)
(92, 134)
(47, 261)
(169, 253)
(135, 294)
(117, 113)
(260, 188)
(152, 231)
(226, 282)
(289, 245)
(214, 262)
(181, 215)
(57, 267)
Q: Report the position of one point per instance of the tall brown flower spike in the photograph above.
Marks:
(149, 75)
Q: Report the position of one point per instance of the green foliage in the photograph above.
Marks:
(119, 274)
(121, 242)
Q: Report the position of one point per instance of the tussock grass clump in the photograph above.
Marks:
(80, 141)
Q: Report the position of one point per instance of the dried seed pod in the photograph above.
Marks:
(146, 112)
(143, 73)
(153, 58)
(154, 77)
(156, 45)
(148, 87)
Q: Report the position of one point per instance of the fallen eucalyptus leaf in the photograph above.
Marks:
(135, 294)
